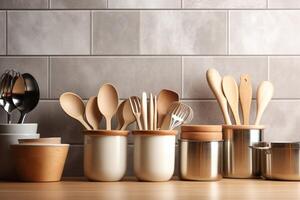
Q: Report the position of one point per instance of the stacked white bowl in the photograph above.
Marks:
(10, 134)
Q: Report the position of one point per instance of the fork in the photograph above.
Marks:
(136, 108)
(180, 113)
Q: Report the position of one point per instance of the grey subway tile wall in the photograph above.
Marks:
(73, 45)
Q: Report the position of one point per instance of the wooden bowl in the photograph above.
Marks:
(50, 140)
(39, 162)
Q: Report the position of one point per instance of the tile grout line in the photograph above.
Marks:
(268, 64)
(49, 77)
(182, 77)
(267, 2)
(228, 32)
(49, 4)
(6, 32)
(107, 4)
(91, 32)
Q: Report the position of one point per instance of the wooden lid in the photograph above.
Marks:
(201, 128)
(202, 136)
(106, 132)
(155, 132)
(243, 127)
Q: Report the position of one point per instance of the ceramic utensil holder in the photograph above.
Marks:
(39, 162)
(237, 154)
(154, 154)
(105, 154)
(201, 153)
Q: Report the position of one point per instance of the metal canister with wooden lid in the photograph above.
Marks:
(201, 152)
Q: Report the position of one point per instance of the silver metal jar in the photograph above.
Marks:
(201, 160)
(280, 161)
(237, 154)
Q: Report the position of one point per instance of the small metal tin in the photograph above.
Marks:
(201, 160)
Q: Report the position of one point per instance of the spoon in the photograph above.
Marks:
(215, 83)
(18, 91)
(73, 106)
(127, 114)
(231, 93)
(108, 103)
(245, 97)
(31, 96)
(92, 113)
(119, 115)
(264, 95)
(6, 92)
(164, 100)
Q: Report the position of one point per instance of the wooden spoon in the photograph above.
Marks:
(127, 114)
(231, 92)
(108, 103)
(73, 105)
(215, 83)
(264, 95)
(119, 116)
(164, 100)
(246, 97)
(92, 113)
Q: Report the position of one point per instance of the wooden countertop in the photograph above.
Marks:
(74, 189)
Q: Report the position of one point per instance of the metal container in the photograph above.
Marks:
(154, 155)
(201, 160)
(105, 155)
(281, 161)
(237, 154)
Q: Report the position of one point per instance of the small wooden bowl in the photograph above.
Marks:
(50, 140)
(39, 162)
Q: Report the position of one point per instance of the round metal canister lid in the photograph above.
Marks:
(289, 145)
(201, 128)
(202, 136)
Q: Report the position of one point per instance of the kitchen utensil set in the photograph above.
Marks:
(105, 104)
(227, 91)
(161, 113)
(18, 91)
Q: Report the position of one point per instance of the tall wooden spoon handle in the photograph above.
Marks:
(81, 120)
(108, 123)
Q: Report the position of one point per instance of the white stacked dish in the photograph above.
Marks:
(10, 134)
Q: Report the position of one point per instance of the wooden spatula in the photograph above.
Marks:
(215, 83)
(231, 93)
(245, 97)
(263, 96)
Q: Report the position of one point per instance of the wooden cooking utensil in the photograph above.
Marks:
(215, 83)
(231, 93)
(73, 105)
(245, 97)
(92, 113)
(144, 111)
(108, 103)
(151, 111)
(155, 114)
(263, 96)
(128, 115)
(119, 115)
(164, 100)
(136, 108)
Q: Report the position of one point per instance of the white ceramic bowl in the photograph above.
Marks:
(18, 128)
(6, 166)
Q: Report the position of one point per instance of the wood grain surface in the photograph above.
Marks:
(74, 189)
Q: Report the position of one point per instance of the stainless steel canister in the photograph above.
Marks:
(237, 154)
(201, 160)
(281, 161)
